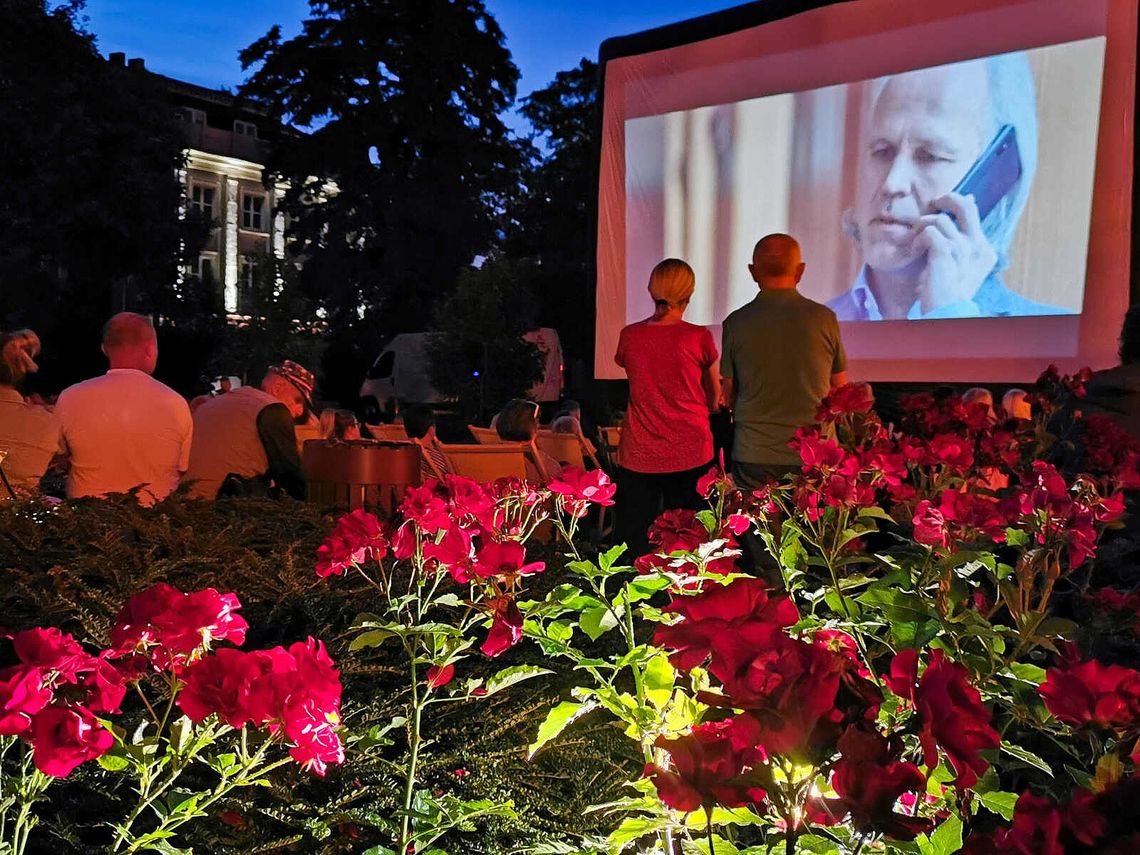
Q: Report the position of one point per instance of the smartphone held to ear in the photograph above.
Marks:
(994, 173)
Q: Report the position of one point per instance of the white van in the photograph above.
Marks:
(401, 371)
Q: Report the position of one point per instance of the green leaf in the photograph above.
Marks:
(658, 680)
(379, 850)
(708, 520)
(634, 827)
(1027, 757)
(945, 840)
(557, 720)
(896, 605)
(371, 638)
(597, 621)
(700, 846)
(515, 674)
(1028, 673)
(999, 803)
(114, 762)
(644, 587)
(608, 558)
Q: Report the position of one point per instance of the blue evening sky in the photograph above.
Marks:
(198, 40)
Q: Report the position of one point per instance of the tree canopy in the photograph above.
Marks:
(403, 176)
(88, 185)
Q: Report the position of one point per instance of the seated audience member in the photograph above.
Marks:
(419, 422)
(1116, 391)
(1015, 404)
(124, 429)
(518, 422)
(29, 435)
(250, 434)
(979, 396)
(339, 424)
(571, 424)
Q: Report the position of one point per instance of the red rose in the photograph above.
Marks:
(579, 489)
(704, 766)
(506, 627)
(23, 693)
(316, 674)
(678, 531)
(815, 451)
(930, 525)
(470, 502)
(504, 560)
(426, 509)
(849, 398)
(453, 553)
(62, 737)
(869, 778)
(1089, 693)
(951, 712)
(51, 650)
(787, 687)
(231, 684)
(105, 687)
(717, 611)
(950, 450)
(313, 731)
(357, 537)
(171, 625)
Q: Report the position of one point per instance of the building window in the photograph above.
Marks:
(207, 268)
(245, 129)
(253, 214)
(202, 200)
(247, 281)
(194, 117)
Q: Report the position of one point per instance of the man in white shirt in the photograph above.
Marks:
(125, 429)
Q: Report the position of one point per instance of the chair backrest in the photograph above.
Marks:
(566, 448)
(360, 473)
(485, 436)
(394, 432)
(611, 437)
(487, 462)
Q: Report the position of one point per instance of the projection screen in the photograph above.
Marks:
(1006, 125)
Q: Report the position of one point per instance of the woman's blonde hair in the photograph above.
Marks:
(671, 283)
(18, 352)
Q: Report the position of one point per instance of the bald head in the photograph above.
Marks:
(129, 341)
(776, 262)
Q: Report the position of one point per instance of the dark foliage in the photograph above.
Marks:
(477, 351)
(88, 186)
(402, 179)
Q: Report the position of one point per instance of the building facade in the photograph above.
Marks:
(227, 142)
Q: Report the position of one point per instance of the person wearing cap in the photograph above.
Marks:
(124, 430)
(247, 438)
(782, 355)
(674, 383)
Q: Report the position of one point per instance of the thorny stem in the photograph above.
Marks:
(414, 743)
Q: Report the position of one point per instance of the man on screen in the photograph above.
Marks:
(926, 253)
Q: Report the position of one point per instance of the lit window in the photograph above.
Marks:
(202, 200)
(253, 212)
(245, 129)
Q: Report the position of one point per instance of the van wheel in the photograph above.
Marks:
(368, 410)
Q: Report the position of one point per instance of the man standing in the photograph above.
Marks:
(250, 433)
(125, 429)
(782, 354)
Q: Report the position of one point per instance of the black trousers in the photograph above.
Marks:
(642, 496)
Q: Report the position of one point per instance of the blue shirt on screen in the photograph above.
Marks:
(993, 300)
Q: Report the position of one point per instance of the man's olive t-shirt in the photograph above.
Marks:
(780, 351)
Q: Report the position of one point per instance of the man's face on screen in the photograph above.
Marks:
(926, 131)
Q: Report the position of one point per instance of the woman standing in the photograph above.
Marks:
(674, 383)
(29, 435)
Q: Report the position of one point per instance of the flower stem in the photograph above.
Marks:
(414, 745)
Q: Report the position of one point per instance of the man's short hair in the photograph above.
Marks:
(127, 331)
(775, 256)
(418, 420)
